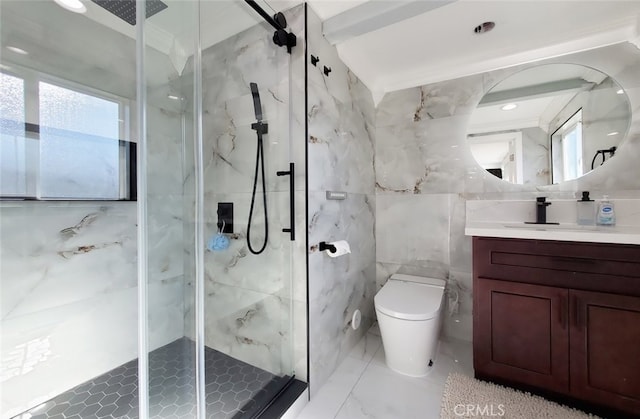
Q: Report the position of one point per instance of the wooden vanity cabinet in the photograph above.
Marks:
(562, 317)
(605, 349)
(520, 333)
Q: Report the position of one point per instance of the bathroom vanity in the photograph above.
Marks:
(556, 305)
(558, 316)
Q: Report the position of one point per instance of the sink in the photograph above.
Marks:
(551, 227)
(566, 231)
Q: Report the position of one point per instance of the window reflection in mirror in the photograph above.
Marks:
(566, 150)
(569, 118)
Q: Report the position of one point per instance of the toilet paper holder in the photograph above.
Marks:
(324, 246)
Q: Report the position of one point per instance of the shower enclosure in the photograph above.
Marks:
(125, 298)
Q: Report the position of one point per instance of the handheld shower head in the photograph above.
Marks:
(257, 106)
(261, 129)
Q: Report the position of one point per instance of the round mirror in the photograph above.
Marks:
(548, 124)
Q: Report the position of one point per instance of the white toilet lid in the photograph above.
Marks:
(409, 301)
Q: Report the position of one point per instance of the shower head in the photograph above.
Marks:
(126, 9)
(257, 106)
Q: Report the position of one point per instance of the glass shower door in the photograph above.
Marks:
(247, 263)
(168, 350)
(219, 309)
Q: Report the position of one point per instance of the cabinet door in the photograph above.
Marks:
(605, 349)
(521, 333)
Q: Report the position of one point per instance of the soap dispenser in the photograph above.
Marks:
(606, 215)
(586, 210)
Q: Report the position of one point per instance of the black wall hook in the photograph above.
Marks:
(314, 60)
(324, 246)
(327, 70)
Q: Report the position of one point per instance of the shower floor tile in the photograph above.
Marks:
(233, 388)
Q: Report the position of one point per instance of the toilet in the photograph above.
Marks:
(408, 309)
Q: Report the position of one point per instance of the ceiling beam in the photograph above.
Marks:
(551, 88)
(374, 15)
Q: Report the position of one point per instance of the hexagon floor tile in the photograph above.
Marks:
(233, 389)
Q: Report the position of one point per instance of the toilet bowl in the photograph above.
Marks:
(408, 309)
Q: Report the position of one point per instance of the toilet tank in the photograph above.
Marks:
(418, 279)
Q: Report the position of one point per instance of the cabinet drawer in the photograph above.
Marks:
(605, 267)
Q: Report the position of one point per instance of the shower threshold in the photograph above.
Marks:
(234, 389)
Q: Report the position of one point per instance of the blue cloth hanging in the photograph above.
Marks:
(219, 241)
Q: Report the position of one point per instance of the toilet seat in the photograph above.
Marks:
(409, 300)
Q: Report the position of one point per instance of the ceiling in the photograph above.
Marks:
(440, 44)
(393, 44)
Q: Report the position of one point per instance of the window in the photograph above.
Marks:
(63, 142)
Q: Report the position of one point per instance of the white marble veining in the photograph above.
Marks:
(249, 325)
(338, 286)
(255, 304)
(340, 158)
(457, 314)
(40, 263)
(422, 221)
(421, 157)
(338, 134)
(69, 286)
(69, 279)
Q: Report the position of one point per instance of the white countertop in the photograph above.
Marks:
(565, 232)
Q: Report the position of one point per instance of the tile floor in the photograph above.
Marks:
(363, 387)
(234, 389)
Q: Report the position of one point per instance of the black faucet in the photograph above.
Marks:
(541, 211)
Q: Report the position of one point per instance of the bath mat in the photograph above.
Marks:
(466, 397)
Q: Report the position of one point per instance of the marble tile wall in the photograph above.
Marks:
(68, 278)
(255, 309)
(425, 174)
(69, 281)
(341, 158)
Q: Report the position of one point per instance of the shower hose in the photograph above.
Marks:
(260, 128)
